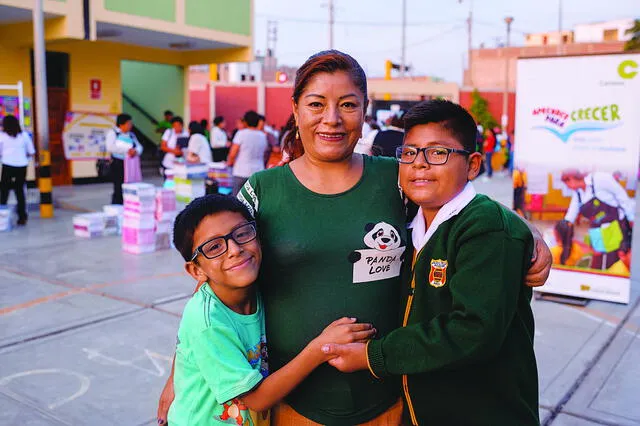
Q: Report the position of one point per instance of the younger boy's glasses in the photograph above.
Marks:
(434, 155)
(218, 246)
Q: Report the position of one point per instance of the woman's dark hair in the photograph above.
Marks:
(451, 116)
(327, 61)
(204, 123)
(219, 119)
(189, 218)
(564, 228)
(122, 119)
(251, 118)
(195, 128)
(11, 125)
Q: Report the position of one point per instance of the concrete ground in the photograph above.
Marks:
(87, 332)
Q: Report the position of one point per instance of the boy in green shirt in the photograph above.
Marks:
(221, 372)
(465, 349)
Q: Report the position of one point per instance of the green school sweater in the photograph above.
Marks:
(325, 257)
(466, 350)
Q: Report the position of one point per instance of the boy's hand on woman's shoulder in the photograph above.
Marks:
(540, 262)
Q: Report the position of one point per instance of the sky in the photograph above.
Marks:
(436, 34)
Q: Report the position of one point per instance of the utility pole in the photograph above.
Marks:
(270, 53)
(331, 20)
(505, 95)
(561, 38)
(469, 42)
(42, 111)
(403, 60)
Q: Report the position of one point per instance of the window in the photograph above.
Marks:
(611, 35)
(565, 39)
(545, 39)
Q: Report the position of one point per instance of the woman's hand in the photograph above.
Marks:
(540, 262)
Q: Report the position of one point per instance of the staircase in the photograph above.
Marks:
(151, 156)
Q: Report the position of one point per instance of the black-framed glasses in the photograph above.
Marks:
(218, 246)
(433, 155)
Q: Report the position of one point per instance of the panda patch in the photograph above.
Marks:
(383, 257)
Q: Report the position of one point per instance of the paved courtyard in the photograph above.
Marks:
(87, 332)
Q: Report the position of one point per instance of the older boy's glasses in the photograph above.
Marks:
(435, 155)
(218, 246)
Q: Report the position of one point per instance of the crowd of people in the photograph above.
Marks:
(311, 257)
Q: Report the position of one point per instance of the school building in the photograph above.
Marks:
(108, 56)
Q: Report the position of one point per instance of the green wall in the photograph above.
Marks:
(222, 15)
(164, 10)
(156, 88)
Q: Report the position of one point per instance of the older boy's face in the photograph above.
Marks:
(432, 186)
(238, 266)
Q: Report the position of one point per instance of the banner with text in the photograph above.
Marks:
(576, 157)
(84, 135)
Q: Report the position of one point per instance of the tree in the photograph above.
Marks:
(634, 42)
(480, 111)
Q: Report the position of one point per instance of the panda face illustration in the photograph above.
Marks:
(382, 236)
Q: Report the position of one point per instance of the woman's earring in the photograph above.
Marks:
(297, 133)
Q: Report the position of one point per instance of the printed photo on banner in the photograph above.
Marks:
(84, 135)
(576, 168)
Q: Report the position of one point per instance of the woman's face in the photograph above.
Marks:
(329, 116)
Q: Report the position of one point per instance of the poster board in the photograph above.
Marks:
(578, 133)
(84, 135)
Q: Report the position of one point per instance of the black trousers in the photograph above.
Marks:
(14, 178)
(117, 177)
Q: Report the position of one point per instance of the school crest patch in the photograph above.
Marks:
(438, 272)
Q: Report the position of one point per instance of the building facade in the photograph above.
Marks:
(96, 49)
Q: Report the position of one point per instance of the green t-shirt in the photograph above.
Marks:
(220, 355)
(325, 257)
(163, 125)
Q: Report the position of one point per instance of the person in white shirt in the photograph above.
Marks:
(602, 201)
(198, 150)
(16, 149)
(219, 139)
(174, 140)
(248, 152)
(120, 149)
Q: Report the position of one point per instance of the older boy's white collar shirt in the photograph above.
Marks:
(420, 234)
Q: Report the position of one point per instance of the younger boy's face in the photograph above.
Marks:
(236, 268)
(432, 186)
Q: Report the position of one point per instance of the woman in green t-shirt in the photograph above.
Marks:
(333, 230)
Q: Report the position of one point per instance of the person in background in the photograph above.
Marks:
(16, 149)
(248, 152)
(365, 143)
(205, 128)
(366, 126)
(275, 153)
(219, 139)
(173, 141)
(198, 150)
(489, 145)
(386, 141)
(240, 124)
(119, 149)
(165, 124)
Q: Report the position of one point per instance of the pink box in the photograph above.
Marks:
(136, 236)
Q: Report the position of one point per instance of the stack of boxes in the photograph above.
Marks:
(93, 225)
(7, 217)
(189, 181)
(166, 212)
(219, 178)
(115, 213)
(138, 225)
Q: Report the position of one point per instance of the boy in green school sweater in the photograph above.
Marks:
(465, 348)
